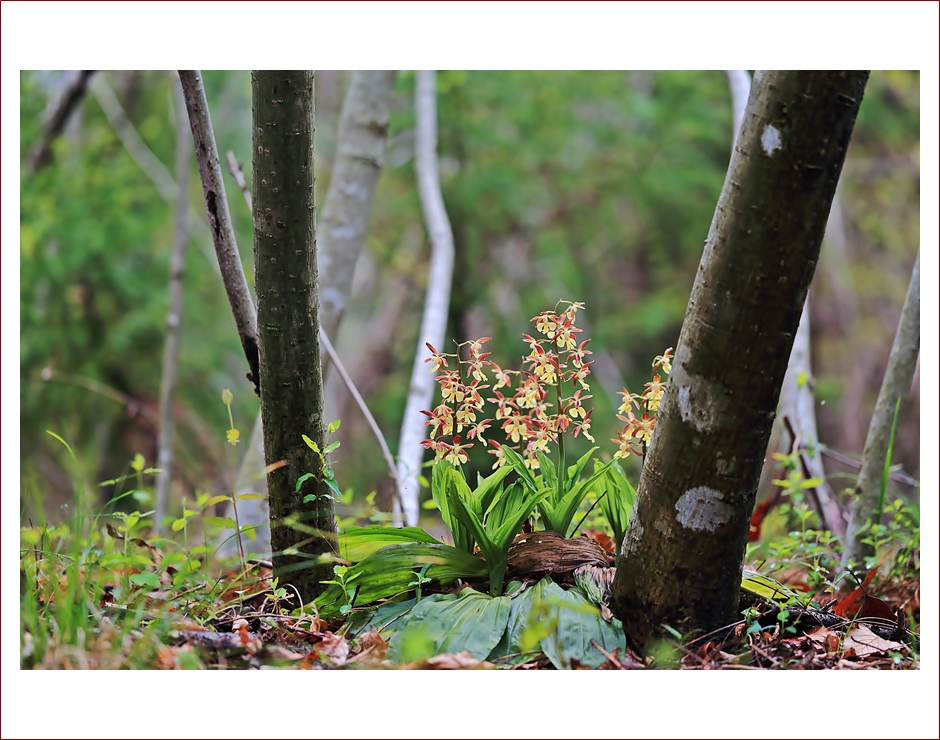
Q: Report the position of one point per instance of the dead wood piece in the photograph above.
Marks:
(549, 553)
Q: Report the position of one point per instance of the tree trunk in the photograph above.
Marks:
(896, 386)
(363, 128)
(682, 555)
(174, 319)
(361, 136)
(798, 414)
(437, 298)
(288, 320)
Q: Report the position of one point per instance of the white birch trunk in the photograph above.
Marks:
(174, 320)
(437, 298)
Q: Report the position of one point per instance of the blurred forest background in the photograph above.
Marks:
(588, 186)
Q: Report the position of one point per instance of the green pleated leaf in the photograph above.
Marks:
(443, 624)
(577, 621)
(356, 543)
(390, 571)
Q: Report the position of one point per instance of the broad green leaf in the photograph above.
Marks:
(219, 521)
(768, 588)
(389, 572)
(356, 543)
(489, 489)
(546, 466)
(473, 622)
(387, 618)
(146, 578)
(216, 500)
(518, 464)
(330, 447)
(574, 471)
(302, 479)
(171, 560)
(558, 515)
(311, 444)
(250, 497)
(510, 645)
(578, 622)
(494, 540)
(333, 426)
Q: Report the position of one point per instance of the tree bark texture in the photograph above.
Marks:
(220, 221)
(796, 400)
(363, 127)
(286, 282)
(360, 148)
(437, 298)
(682, 555)
(174, 319)
(895, 385)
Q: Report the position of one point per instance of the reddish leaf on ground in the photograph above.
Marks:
(601, 538)
(860, 604)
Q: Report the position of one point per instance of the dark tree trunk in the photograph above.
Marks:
(682, 556)
(288, 323)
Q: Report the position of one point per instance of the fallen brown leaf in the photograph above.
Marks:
(334, 647)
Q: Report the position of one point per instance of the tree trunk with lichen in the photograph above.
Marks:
(302, 531)
(681, 558)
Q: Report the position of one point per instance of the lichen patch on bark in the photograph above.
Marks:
(770, 140)
(702, 508)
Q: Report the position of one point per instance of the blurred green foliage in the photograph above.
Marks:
(590, 186)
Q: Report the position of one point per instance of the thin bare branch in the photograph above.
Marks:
(354, 392)
(71, 96)
(135, 146)
(220, 222)
(239, 176)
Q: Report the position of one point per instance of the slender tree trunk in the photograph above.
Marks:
(895, 387)
(437, 298)
(682, 555)
(220, 222)
(174, 320)
(68, 103)
(363, 129)
(288, 318)
(798, 415)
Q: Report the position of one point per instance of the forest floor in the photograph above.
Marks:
(248, 623)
